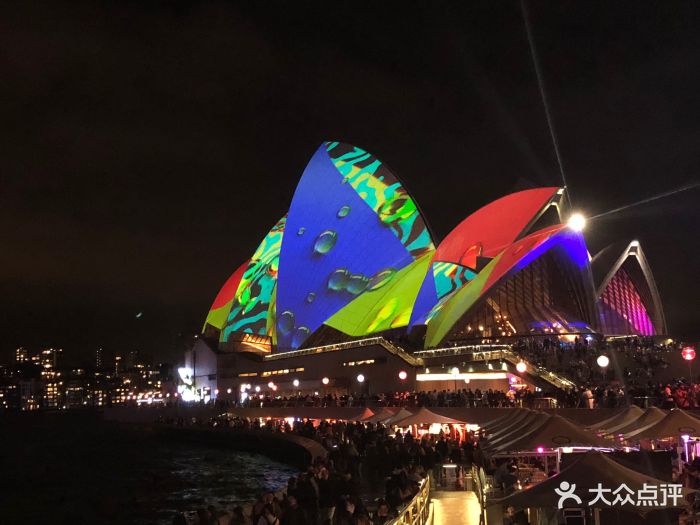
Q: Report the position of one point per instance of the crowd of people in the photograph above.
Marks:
(679, 393)
(577, 359)
(467, 397)
(613, 386)
(368, 475)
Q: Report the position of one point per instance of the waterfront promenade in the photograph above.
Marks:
(455, 507)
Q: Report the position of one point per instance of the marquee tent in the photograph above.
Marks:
(425, 416)
(619, 420)
(585, 474)
(650, 416)
(555, 432)
(674, 424)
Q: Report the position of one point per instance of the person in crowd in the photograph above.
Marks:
(383, 514)
(268, 516)
(237, 517)
(293, 514)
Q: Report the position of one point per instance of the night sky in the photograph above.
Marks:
(147, 149)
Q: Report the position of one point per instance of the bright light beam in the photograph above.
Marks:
(648, 199)
(545, 103)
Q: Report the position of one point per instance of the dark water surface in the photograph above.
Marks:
(74, 468)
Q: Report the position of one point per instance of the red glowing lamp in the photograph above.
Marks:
(688, 353)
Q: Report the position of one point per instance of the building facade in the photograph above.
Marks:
(354, 260)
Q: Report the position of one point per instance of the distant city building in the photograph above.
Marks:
(29, 394)
(38, 382)
(21, 355)
(132, 359)
(118, 365)
(52, 396)
(9, 394)
(49, 358)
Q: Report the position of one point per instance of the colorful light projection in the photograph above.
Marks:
(353, 230)
(254, 299)
(480, 237)
(444, 315)
(624, 308)
(221, 306)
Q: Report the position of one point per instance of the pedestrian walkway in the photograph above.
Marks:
(455, 508)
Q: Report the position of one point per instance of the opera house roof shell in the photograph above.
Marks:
(354, 256)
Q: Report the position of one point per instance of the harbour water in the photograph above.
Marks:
(75, 468)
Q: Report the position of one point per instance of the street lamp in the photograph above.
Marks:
(360, 378)
(295, 383)
(688, 353)
(521, 367)
(455, 372)
(403, 375)
(603, 361)
(325, 380)
(685, 438)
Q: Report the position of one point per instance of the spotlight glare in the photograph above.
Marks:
(576, 222)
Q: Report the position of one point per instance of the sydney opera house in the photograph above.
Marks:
(351, 285)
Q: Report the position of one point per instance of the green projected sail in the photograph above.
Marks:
(450, 308)
(388, 304)
(251, 305)
(382, 192)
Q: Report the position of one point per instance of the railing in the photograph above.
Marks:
(477, 353)
(480, 488)
(496, 352)
(370, 341)
(459, 350)
(417, 512)
(542, 373)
